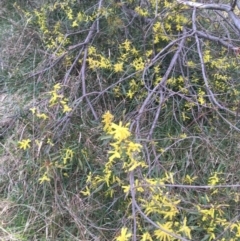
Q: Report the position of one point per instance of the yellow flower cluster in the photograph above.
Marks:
(201, 95)
(57, 98)
(123, 152)
(107, 121)
(122, 147)
(98, 61)
(61, 165)
(66, 157)
(141, 11)
(125, 235)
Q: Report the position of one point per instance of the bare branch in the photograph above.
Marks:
(235, 19)
(201, 34)
(162, 82)
(213, 6)
(83, 79)
(220, 7)
(156, 115)
(208, 88)
(138, 208)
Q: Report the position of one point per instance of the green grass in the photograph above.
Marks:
(193, 142)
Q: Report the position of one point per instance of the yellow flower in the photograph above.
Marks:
(33, 110)
(93, 63)
(214, 179)
(54, 98)
(207, 214)
(104, 63)
(133, 147)
(161, 235)
(130, 94)
(185, 229)
(119, 132)
(118, 67)
(69, 153)
(124, 236)
(66, 108)
(89, 177)
(107, 120)
(189, 179)
(183, 135)
(115, 154)
(210, 231)
(149, 53)
(56, 87)
(24, 144)
(170, 208)
(126, 189)
(107, 176)
(237, 226)
(69, 13)
(87, 192)
(201, 95)
(68, 156)
(117, 91)
(133, 165)
(169, 177)
(134, 51)
(65, 174)
(50, 142)
(142, 12)
(126, 45)
(92, 50)
(42, 116)
(75, 24)
(44, 178)
(138, 64)
(146, 237)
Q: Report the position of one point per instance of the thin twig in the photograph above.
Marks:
(161, 83)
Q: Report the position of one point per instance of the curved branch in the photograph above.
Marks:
(210, 93)
(235, 19)
(139, 209)
(220, 7)
(162, 82)
(213, 6)
(214, 38)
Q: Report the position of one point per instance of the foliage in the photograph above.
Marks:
(126, 122)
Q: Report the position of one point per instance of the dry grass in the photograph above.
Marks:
(57, 210)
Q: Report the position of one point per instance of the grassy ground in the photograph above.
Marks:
(68, 175)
